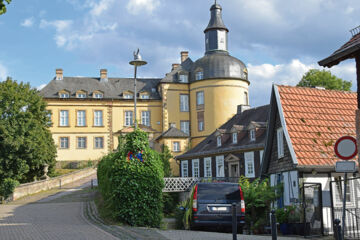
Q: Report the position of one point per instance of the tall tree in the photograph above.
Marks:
(165, 156)
(323, 78)
(26, 144)
(2, 6)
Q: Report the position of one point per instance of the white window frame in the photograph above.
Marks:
(207, 161)
(64, 143)
(64, 95)
(184, 165)
(145, 118)
(280, 142)
(183, 78)
(64, 118)
(81, 142)
(176, 146)
(128, 96)
(218, 141)
(199, 75)
(98, 95)
(220, 162)
(249, 159)
(184, 102)
(185, 127)
(200, 98)
(81, 95)
(144, 96)
(99, 142)
(81, 118)
(195, 168)
(252, 135)
(234, 138)
(128, 118)
(98, 118)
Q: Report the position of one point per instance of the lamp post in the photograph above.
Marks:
(136, 62)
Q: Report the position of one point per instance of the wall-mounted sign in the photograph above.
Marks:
(345, 166)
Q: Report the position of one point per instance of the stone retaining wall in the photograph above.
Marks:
(35, 187)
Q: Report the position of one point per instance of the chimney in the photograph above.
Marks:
(184, 56)
(59, 74)
(103, 75)
(175, 66)
(242, 108)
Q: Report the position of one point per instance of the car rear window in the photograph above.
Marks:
(218, 192)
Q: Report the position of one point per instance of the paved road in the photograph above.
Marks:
(46, 218)
(70, 214)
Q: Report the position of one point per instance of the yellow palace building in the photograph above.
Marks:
(180, 110)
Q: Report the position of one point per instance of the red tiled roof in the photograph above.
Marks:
(315, 119)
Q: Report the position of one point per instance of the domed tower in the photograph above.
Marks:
(218, 81)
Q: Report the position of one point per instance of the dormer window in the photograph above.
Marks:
(234, 138)
(153, 90)
(144, 95)
(64, 94)
(81, 95)
(128, 96)
(183, 78)
(252, 135)
(98, 95)
(199, 75)
(218, 140)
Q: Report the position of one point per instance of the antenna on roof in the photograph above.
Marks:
(355, 31)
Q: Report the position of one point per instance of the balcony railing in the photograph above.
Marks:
(179, 184)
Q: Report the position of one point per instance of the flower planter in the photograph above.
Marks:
(285, 228)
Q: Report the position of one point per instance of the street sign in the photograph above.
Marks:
(345, 166)
(346, 148)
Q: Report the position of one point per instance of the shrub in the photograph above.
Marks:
(8, 187)
(258, 196)
(131, 182)
(183, 213)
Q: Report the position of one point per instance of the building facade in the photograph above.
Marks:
(234, 149)
(304, 124)
(196, 97)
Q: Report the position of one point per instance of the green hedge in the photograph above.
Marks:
(132, 188)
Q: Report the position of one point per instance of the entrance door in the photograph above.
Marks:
(312, 203)
(234, 170)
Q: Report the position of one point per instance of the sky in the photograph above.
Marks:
(278, 40)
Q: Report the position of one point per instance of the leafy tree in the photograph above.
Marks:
(3, 7)
(323, 78)
(165, 156)
(26, 144)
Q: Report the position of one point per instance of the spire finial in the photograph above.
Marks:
(215, 2)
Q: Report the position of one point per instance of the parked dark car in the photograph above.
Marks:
(212, 205)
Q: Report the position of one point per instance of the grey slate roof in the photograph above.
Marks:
(112, 89)
(173, 132)
(216, 21)
(219, 65)
(209, 145)
(172, 77)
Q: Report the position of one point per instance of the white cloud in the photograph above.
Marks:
(29, 22)
(40, 87)
(138, 6)
(100, 7)
(263, 76)
(3, 72)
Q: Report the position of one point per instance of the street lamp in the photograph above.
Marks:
(136, 62)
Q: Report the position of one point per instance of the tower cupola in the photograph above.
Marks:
(216, 31)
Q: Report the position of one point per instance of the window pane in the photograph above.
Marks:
(207, 167)
(185, 126)
(145, 118)
(128, 118)
(196, 168)
(98, 118)
(81, 142)
(81, 118)
(234, 136)
(99, 142)
(184, 103)
(64, 118)
(200, 98)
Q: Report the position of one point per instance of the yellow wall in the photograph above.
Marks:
(183, 148)
(171, 102)
(221, 98)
